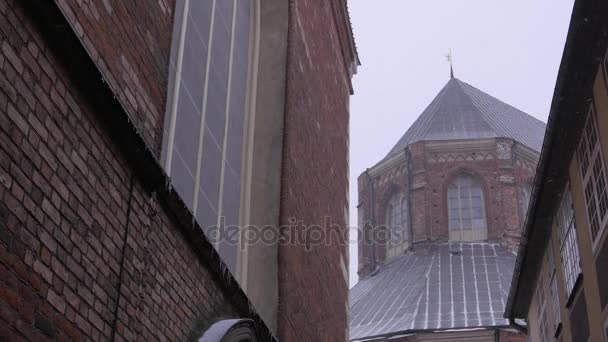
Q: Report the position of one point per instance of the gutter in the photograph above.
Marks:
(396, 334)
(585, 46)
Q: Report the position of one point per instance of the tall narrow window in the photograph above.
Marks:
(526, 190)
(397, 224)
(541, 307)
(592, 169)
(571, 261)
(466, 210)
(206, 109)
(553, 286)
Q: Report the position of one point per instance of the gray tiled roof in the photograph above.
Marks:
(461, 111)
(435, 286)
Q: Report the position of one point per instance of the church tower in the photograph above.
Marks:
(440, 218)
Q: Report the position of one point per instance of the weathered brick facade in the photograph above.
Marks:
(504, 174)
(69, 204)
(441, 216)
(130, 43)
(313, 284)
(93, 243)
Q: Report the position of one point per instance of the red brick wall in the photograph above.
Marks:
(130, 42)
(64, 199)
(312, 286)
(502, 181)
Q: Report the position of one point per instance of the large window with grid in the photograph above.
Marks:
(397, 224)
(553, 286)
(205, 119)
(569, 250)
(466, 209)
(541, 308)
(594, 179)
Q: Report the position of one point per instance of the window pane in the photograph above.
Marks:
(220, 120)
(568, 244)
(591, 163)
(396, 219)
(465, 204)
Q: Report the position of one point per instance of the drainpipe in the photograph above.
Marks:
(122, 260)
(372, 218)
(408, 192)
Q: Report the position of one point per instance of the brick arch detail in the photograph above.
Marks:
(385, 196)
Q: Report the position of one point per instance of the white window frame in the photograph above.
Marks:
(568, 242)
(553, 286)
(541, 307)
(590, 159)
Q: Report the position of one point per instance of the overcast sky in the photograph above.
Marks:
(509, 49)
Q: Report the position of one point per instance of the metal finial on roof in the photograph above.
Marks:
(448, 56)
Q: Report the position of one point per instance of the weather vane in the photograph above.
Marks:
(448, 56)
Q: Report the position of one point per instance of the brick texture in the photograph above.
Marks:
(312, 286)
(64, 199)
(130, 43)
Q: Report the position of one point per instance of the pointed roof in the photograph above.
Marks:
(461, 111)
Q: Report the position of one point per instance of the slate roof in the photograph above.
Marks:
(461, 111)
(436, 286)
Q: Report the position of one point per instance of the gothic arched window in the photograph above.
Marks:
(466, 210)
(526, 191)
(397, 224)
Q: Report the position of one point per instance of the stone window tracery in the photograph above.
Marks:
(591, 163)
(207, 110)
(466, 209)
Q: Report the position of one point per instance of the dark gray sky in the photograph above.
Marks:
(509, 49)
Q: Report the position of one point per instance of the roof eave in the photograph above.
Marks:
(427, 331)
(569, 110)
